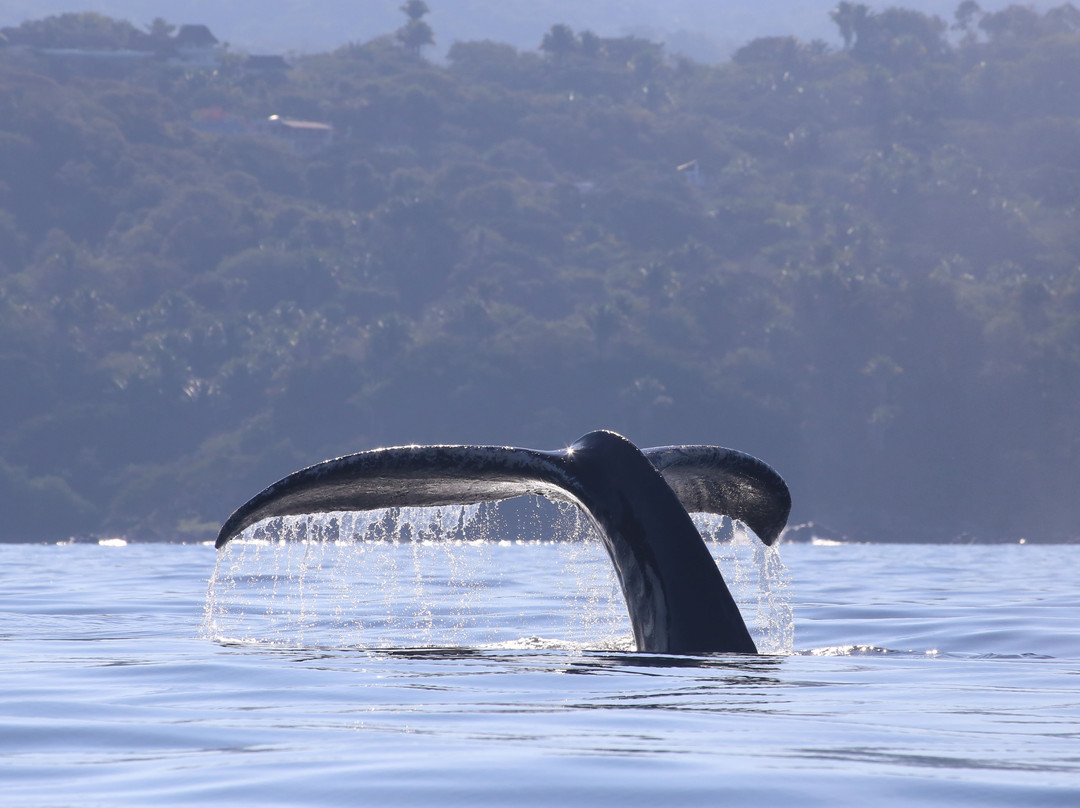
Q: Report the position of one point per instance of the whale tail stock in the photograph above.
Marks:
(638, 499)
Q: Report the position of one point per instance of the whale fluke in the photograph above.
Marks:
(639, 501)
(712, 479)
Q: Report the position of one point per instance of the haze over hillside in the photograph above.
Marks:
(706, 30)
(858, 263)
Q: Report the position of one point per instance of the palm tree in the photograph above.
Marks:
(415, 9)
(416, 33)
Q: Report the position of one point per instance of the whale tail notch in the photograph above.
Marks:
(638, 499)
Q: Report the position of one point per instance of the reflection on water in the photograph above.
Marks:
(459, 577)
(947, 762)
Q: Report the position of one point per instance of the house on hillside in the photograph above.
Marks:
(195, 36)
(303, 137)
(692, 172)
(195, 46)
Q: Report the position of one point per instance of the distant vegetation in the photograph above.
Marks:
(862, 265)
(706, 30)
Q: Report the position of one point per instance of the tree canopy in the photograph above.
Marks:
(862, 265)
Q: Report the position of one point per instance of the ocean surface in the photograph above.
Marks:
(497, 672)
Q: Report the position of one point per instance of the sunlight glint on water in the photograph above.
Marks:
(431, 578)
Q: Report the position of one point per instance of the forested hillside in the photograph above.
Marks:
(862, 265)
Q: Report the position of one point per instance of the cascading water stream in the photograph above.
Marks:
(477, 576)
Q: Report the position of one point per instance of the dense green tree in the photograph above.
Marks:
(1011, 23)
(965, 16)
(849, 18)
(899, 38)
(159, 29)
(81, 30)
(559, 42)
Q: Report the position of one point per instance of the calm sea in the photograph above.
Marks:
(497, 673)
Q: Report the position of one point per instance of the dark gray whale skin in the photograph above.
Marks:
(639, 501)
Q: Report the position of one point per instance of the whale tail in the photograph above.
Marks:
(639, 501)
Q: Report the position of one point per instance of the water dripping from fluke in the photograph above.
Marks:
(520, 575)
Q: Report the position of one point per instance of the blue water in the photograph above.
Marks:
(915, 675)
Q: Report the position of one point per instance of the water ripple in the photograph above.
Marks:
(110, 691)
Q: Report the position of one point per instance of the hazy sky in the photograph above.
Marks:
(703, 29)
